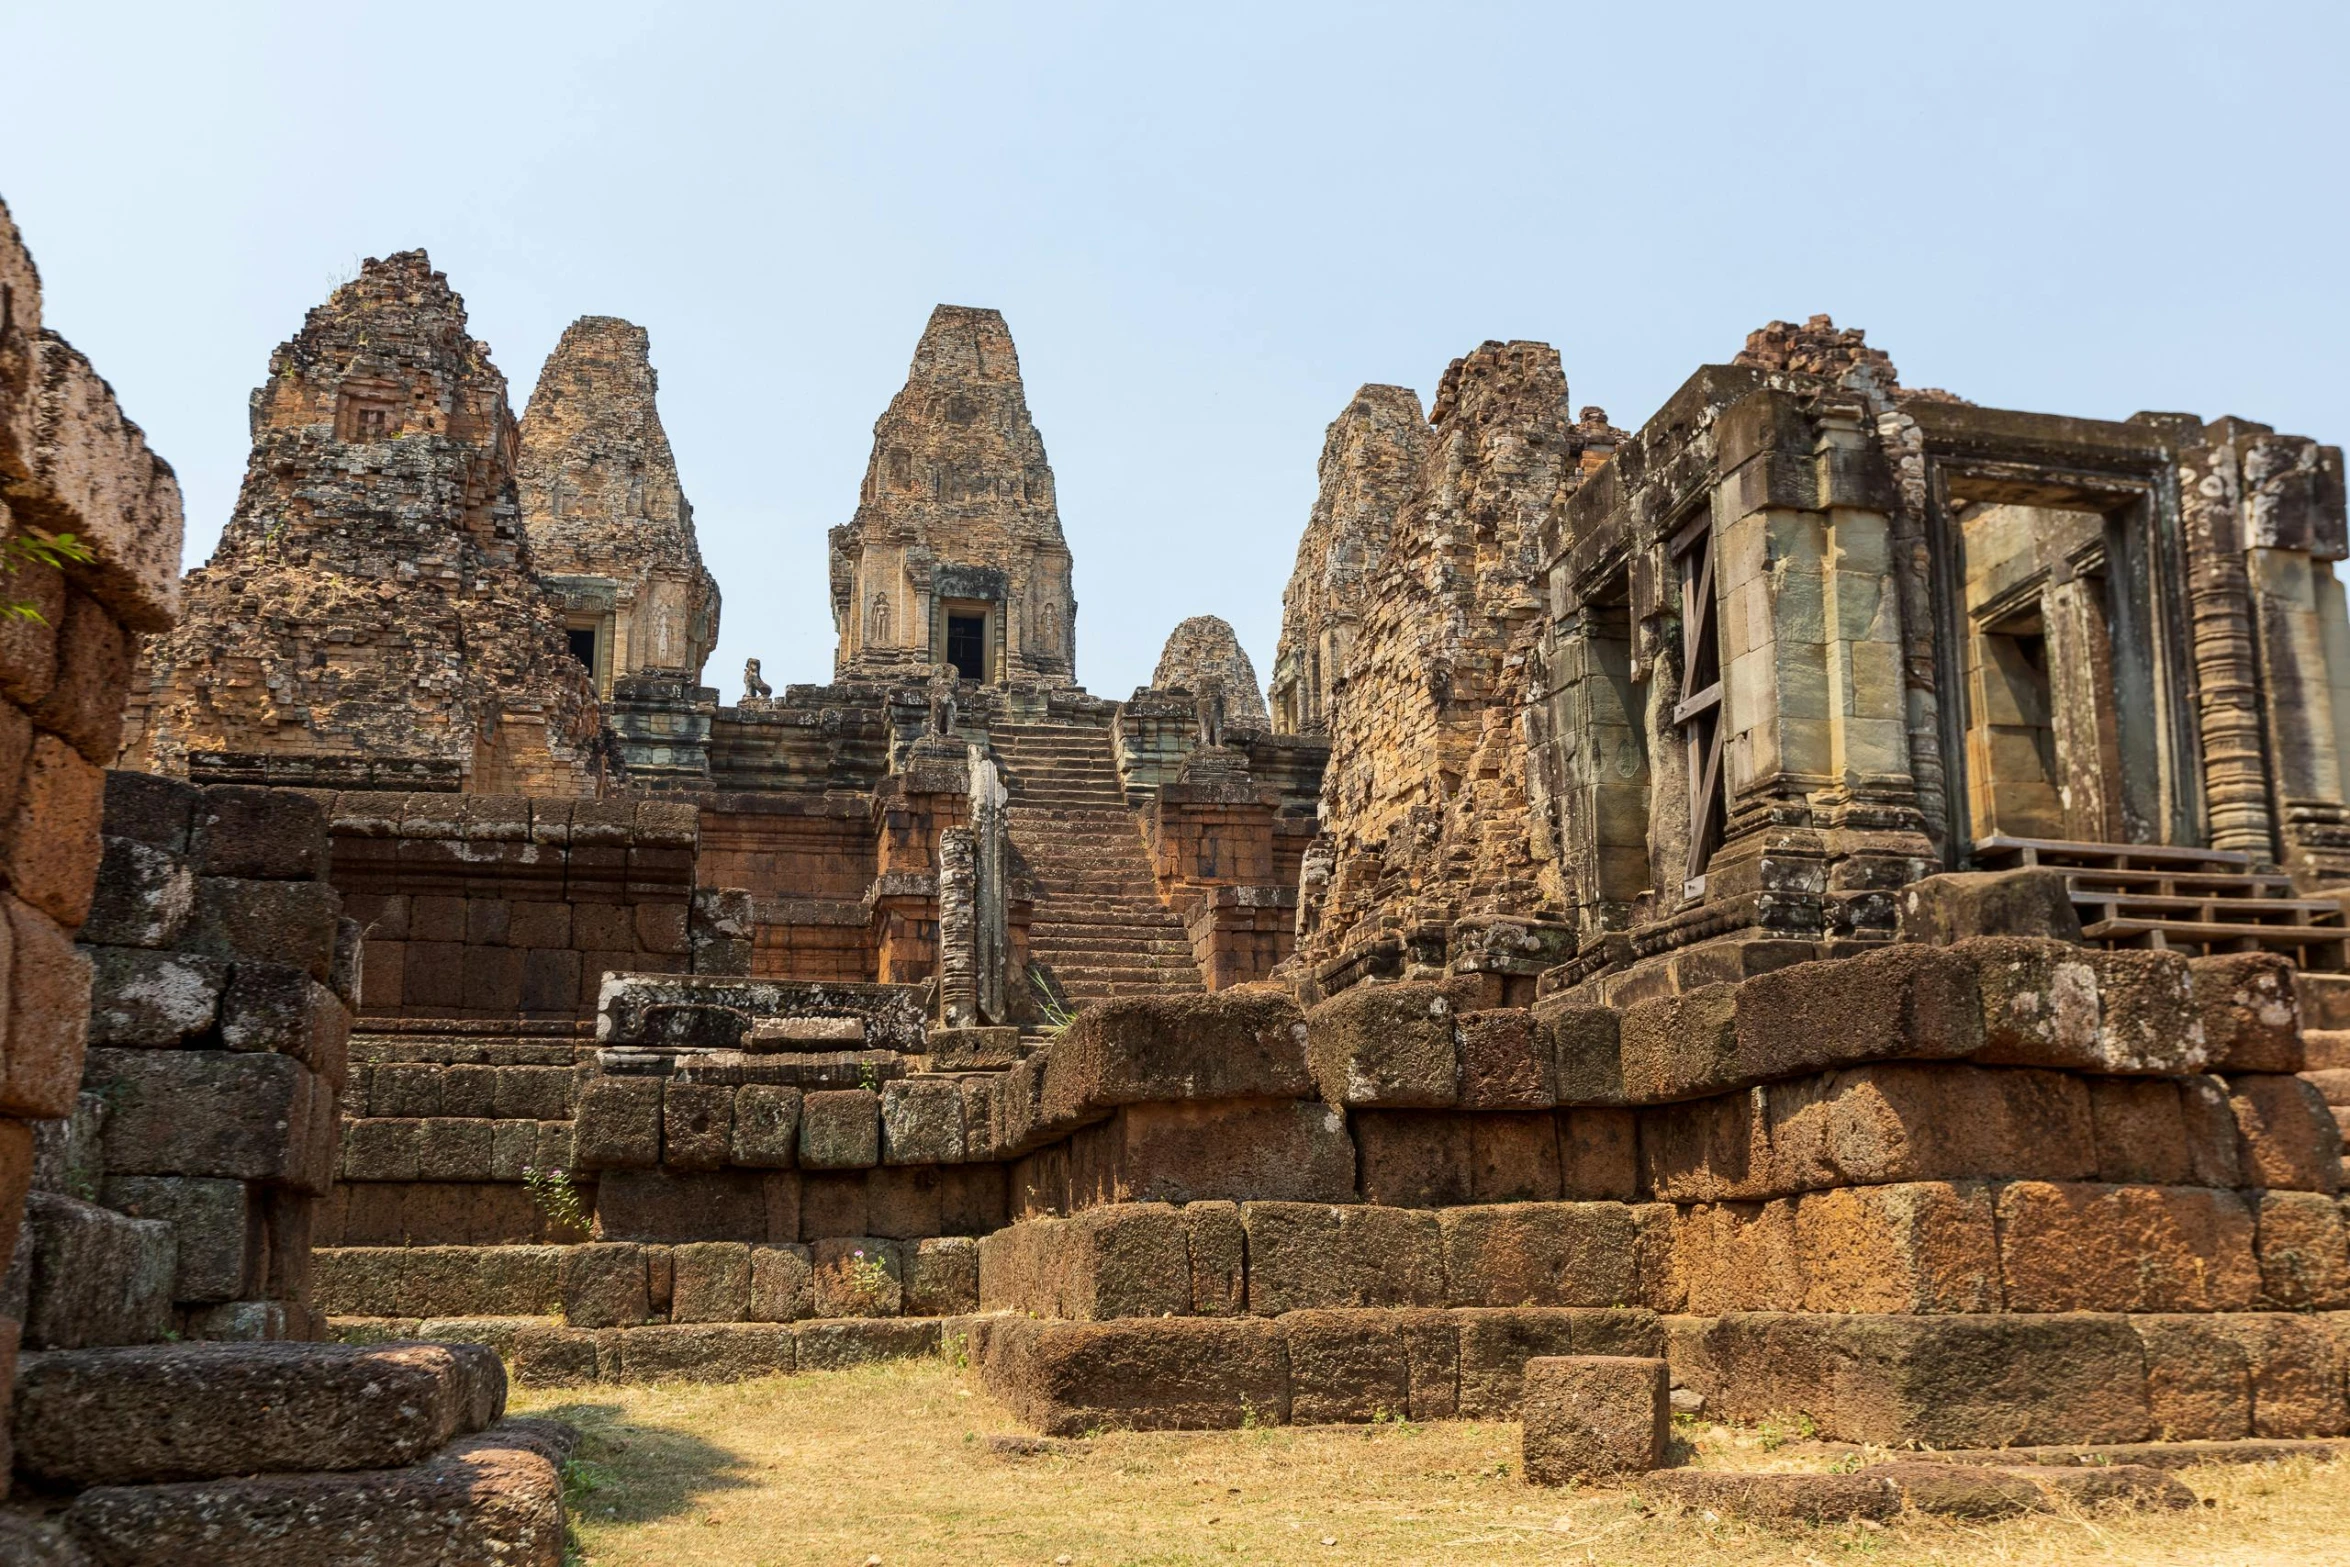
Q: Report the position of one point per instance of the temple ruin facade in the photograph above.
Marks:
(1835, 895)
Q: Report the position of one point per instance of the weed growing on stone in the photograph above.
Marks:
(552, 1193)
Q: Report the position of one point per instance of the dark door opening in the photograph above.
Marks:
(583, 645)
(967, 645)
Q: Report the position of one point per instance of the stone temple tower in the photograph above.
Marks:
(955, 555)
(611, 532)
(371, 615)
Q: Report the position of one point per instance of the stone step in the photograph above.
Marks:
(153, 1413)
(492, 1497)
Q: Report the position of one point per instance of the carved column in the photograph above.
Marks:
(2235, 774)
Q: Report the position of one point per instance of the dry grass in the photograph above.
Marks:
(892, 1462)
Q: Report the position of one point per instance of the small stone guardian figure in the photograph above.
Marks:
(1208, 706)
(942, 701)
(754, 688)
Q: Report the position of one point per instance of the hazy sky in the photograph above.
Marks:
(1206, 225)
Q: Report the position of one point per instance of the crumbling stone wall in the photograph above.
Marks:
(611, 531)
(1203, 650)
(178, 1200)
(373, 593)
(1370, 467)
(69, 463)
(1425, 806)
(957, 509)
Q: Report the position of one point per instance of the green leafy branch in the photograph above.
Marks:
(35, 548)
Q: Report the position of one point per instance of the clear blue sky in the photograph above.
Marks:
(1206, 224)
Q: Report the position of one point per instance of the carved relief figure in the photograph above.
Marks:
(880, 621)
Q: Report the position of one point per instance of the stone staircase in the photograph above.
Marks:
(1098, 922)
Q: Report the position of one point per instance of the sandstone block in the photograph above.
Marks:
(497, 1496)
(53, 852)
(463, 1281)
(1918, 1246)
(450, 1148)
(2080, 1246)
(2141, 1131)
(711, 1282)
(619, 1124)
(48, 1000)
(1175, 1373)
(1599, 1154)
(782, 1283)
(710, 1205)
(207, 1112)
(706, 1352)
(1954, 906)
(2250, 1011)
(1536, 1254)
(766, 1126)
(142, 897)
(1593, 1415)
(2295, 1367)
(2286, 1138)
(1215, 1245)
(922, 1121)
(1513, 1156)
(1505, 1061)
(2303, 1260)
(1977, 1380)
(1739, 1256)
(151, 809)
(836, 1346)
(152, 999)
(1414, 1158)
(97, 1276)
(1303, 1255)
(167, 1412)
(215, 1226)
(1130, 1260)
(840, 1129)
(1901, 1002)
(942, 1277)
(1237, 1044)
(1345, 1366)
(2214, 1147)
(1680, 1047)
(603, 1286)
(859, 1276)
(272, 921)
(262, 834)
(1918, 1121)
(1586, 1052)
(1279, 1150)
(267, 1006)
(697, 1126)
(381, 1148)
(2198, 1378)
(1386, 1047)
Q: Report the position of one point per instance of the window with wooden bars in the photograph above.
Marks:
(1699, 712)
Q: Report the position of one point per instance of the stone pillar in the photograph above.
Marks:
(2294, 531)
(991, 892)
(958, 918)
(2235, 777)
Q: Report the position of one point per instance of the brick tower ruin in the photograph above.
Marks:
(955, 555)
(1204, 651)
(370, 612)
(611, 532)
(1370, 466)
